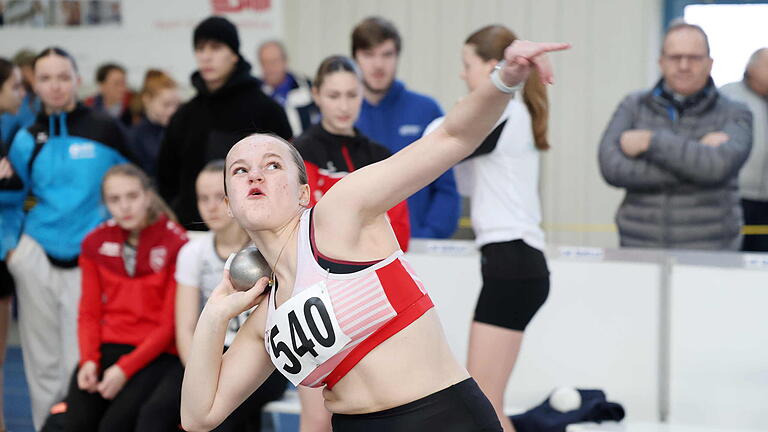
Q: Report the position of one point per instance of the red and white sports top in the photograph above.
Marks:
(333, 320)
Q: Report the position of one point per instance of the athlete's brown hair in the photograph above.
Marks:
(489, 43)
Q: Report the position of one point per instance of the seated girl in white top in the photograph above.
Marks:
(198, 270)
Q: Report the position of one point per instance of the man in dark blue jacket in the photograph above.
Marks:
(395, 117)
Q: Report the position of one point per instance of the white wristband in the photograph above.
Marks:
(496, 80)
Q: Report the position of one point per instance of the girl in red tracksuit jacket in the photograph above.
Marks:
(125, 322)
(334, 148)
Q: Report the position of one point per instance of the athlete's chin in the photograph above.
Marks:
(251, 218)
(263, 222)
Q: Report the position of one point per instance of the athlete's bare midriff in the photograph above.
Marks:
(412, 364)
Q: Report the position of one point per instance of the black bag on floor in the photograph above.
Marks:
(543, 418)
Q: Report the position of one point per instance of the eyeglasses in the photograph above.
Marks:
(677, 58)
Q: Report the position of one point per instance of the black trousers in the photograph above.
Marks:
(755, 213)
(461, 407)
(90, 412)
(161, 413)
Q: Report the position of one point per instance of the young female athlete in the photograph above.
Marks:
(502, 178)
(343, 309)
(125, 321)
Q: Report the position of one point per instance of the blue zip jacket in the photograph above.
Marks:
(10, 124)
(12, 192)
(11, 217)
(398, 120)
(77, 149)
(11, 212)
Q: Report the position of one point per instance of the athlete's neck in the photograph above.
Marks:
(279, 247)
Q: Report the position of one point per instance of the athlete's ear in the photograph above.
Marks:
(229, 210)
(304, 195)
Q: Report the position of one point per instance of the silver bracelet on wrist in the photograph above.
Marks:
(496, 80)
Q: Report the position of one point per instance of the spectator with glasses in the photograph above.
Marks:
(677, 150)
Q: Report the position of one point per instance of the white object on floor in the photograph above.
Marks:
(596, 427)
(565, 399)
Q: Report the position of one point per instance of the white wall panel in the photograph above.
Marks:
(719, 347)
(598, 329)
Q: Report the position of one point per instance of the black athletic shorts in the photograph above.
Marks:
(515, 284)
(7, 286)
(461, 407)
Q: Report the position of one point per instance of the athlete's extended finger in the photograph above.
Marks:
(530, 50)
(533, 49)
(552, 46)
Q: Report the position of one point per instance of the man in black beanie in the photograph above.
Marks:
(229, 105)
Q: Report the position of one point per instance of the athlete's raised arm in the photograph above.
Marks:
(373, 190)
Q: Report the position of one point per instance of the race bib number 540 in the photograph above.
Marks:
(305, 333)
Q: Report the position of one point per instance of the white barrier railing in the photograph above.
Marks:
(673, 336)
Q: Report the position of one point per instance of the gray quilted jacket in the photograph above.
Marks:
(753, 179)
(680, 194)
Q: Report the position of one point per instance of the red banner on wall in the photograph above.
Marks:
(234, 6)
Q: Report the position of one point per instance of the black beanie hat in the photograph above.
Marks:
(219, 29)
